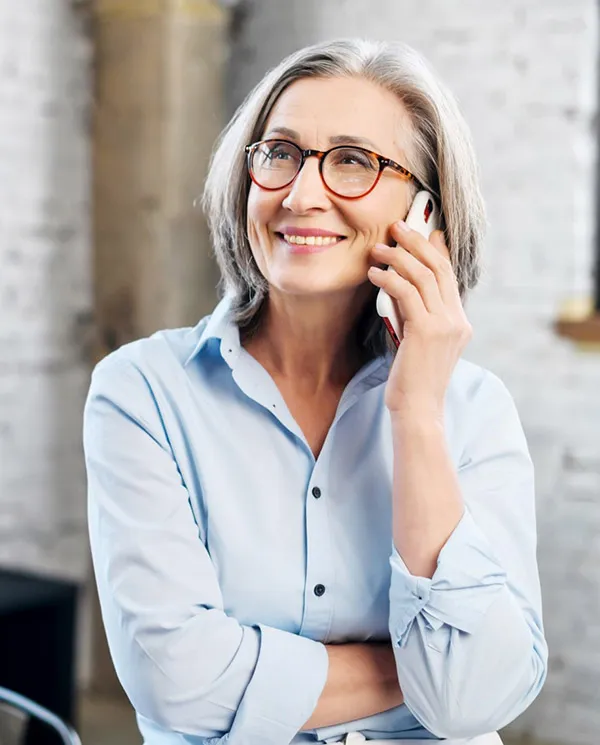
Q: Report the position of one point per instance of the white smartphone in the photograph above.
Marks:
(424, 217)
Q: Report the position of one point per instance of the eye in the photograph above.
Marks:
(352, 158)
(278, 151)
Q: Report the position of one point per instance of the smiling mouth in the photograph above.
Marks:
(322, 241)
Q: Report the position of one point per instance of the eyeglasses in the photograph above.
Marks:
(347, 171)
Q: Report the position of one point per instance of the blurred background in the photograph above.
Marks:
(108, 113)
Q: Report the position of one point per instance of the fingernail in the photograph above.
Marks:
(402, 226)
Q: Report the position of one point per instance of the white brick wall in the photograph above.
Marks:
(524, 71)
(45, 290)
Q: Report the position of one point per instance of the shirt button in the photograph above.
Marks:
(319, 590)
(316, 492)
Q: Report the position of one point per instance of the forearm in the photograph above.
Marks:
(362, 681)
(427, 502)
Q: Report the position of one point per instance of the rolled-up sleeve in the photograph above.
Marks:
(469, 641)
(184, 663)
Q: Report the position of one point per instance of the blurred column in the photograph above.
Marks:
(158, 109)
(159, 91)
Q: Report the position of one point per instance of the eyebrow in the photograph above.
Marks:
(335, 140)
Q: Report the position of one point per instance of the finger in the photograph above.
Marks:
(438, 241)
(403, 292)
(435, 255)
(413, 270)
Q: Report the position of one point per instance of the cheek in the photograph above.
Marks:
(392, 210)
(261, 207)
(373, 224)
(373, 216)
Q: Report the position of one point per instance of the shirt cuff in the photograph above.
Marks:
(467, 578)
(288, 679)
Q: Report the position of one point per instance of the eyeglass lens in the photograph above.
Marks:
(347, 171)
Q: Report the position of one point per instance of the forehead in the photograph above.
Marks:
(320, 108)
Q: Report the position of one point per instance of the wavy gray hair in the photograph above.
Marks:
(444, 161)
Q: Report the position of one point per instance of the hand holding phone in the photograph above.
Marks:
(424, 217)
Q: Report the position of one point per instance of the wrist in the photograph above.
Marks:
(421, 421)
(416, 406)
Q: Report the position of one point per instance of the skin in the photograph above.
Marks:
(306, 341)
(315, 299)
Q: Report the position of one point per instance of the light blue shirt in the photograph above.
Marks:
(226, 556)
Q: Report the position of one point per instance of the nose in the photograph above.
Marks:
(307, 191)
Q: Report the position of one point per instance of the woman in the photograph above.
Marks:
(299, 535)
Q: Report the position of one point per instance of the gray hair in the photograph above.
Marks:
(444, 162)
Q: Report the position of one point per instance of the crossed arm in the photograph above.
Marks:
(361, 681)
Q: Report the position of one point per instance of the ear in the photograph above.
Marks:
(438, 241)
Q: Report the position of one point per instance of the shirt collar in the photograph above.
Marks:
(219, 326)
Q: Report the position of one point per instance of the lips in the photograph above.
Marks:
(308, 244)
(310, 240)
(308, 232)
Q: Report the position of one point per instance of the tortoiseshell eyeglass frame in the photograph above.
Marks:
(321, 154)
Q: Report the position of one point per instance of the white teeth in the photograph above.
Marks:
(310, 240)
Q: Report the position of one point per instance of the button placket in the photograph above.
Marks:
(320, 580)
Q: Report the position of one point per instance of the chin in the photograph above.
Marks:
(316, 286)
(302, 289)
(315, 280)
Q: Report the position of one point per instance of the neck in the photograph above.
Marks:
(310, 341)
